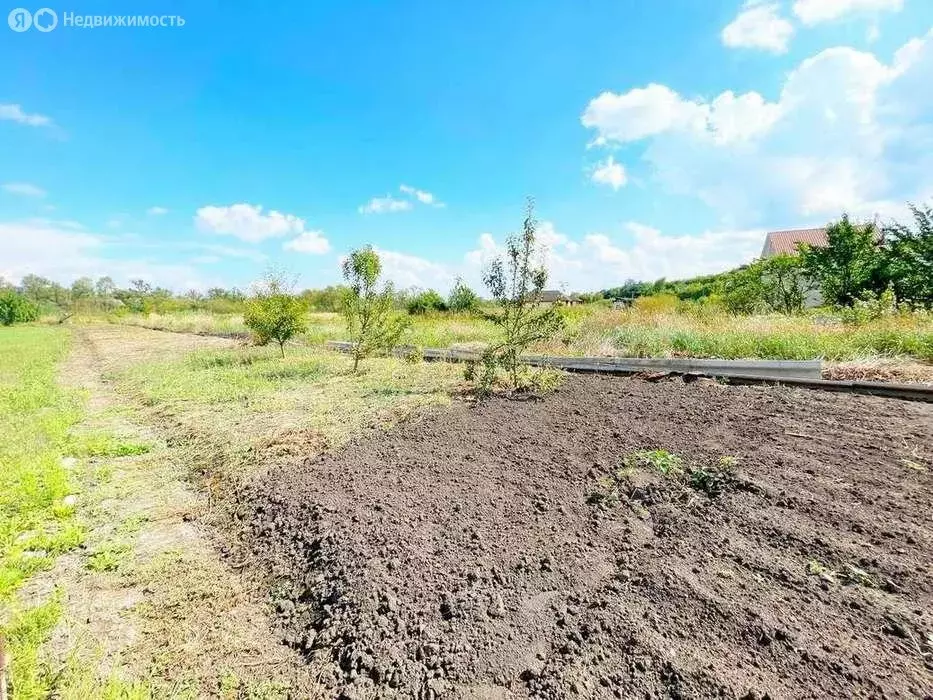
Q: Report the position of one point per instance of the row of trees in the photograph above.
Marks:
(87, 296)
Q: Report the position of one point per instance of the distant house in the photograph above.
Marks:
(786, 242)
(555, 296)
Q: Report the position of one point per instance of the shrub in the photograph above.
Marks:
(372, 323)
(657, 304)
(15, 308)
(462, 298)
(423, 302)
(516, 284)
(273, 313)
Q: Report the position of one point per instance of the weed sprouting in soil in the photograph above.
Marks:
(848, 574)
(677, 479)
(716, 479)
(661, 461)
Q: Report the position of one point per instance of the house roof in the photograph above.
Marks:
(551, 295)
(779, 242)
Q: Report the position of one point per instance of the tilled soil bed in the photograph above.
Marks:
(495, 550)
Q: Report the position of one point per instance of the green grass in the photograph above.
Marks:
(97, 444)
(109, 557)
(247, 397)
(35, 416)
(25, 632)
(647, 330)
(36, 518)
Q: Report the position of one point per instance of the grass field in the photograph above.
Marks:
(248, 398)
(36, 516)
(642, 331)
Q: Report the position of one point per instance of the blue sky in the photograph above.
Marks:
(658, 138)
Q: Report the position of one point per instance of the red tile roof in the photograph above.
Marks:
(778, 242)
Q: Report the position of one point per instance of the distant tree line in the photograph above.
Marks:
(860, 263)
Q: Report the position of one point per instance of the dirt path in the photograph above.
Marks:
(462, 557)
(149, 599)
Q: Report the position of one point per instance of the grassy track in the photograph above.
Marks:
(36, 517)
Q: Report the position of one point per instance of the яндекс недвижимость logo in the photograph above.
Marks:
(46, 19)
(21, 19)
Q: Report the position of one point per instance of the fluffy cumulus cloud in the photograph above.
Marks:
(311, 242)
(610, 173)
(657, 109)
(816, 11)
(24, 189)
(759, 25)
(248, 222)
(847, 132)
(15, 113)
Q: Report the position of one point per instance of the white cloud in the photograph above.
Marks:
(816, 11)
(15, 113)
(642, 112)
(421, 196)
(390, 205)
(406, 270)
(488, 250)
(848, 132)
(646, 112)
(599, 260)
(759, 26)
(56, 250)
(248, 222)
(385, 205)
(609, 173)
(311, 242)
(156, 211)
(23, 188)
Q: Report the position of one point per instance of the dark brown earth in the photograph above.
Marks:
(459, 556)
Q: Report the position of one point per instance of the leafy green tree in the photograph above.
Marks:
(910, 258)
(104, 287)
(16, 308)
(516, 283)
(462, 298)
(372, 323)
(849, 265)
(784, 283)
(426, 301)
(273, 313)
(742, 290)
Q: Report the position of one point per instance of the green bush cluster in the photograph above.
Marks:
(15, 308)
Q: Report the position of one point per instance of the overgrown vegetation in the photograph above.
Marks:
(372, 324)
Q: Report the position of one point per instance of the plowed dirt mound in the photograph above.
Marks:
(464, 555)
